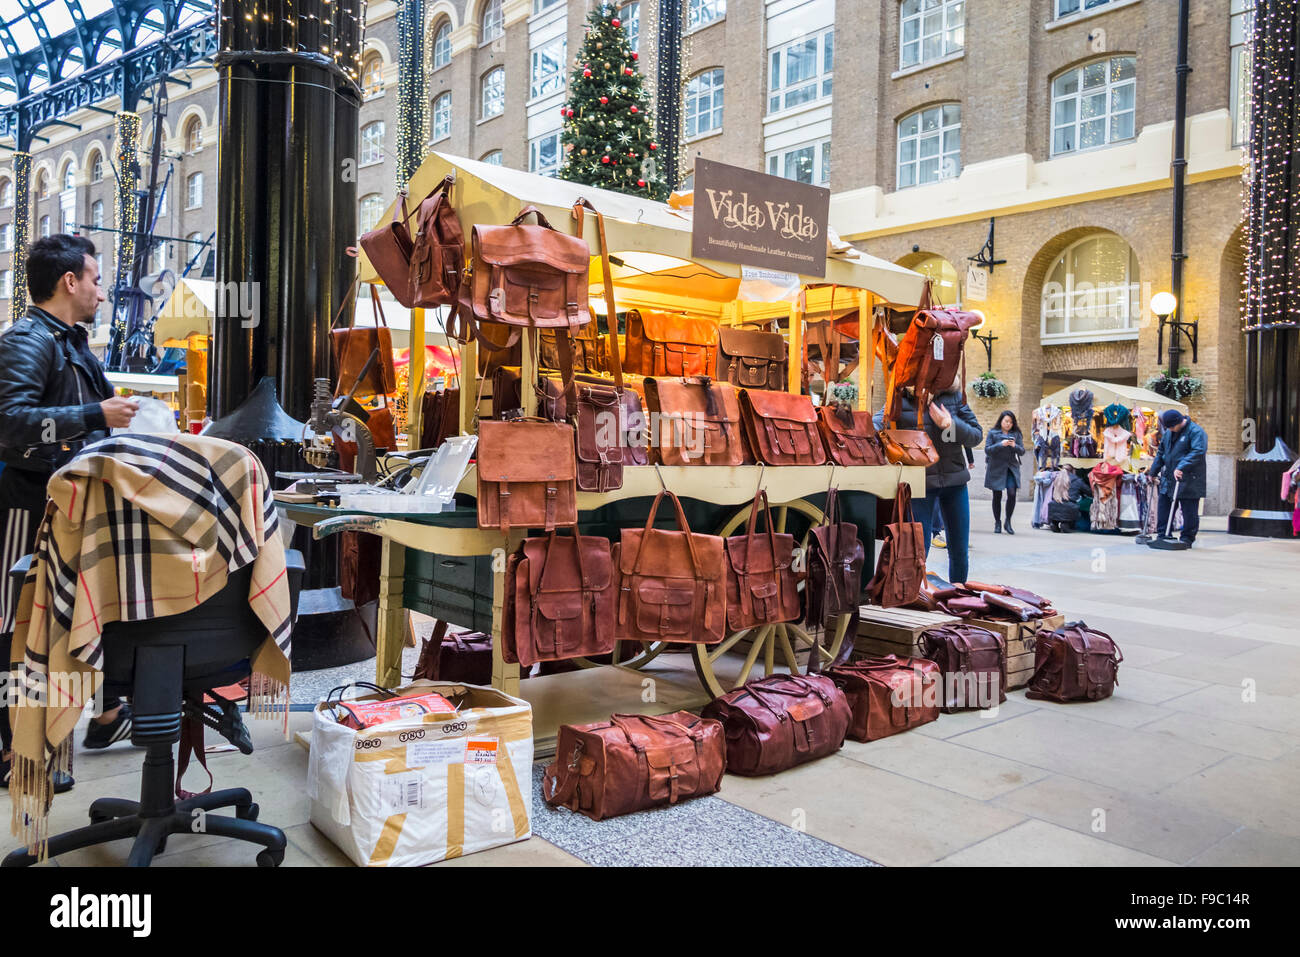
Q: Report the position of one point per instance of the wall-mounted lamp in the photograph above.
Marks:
(1164, 305)
(985, 340)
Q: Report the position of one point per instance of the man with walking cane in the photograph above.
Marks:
(1180, 466)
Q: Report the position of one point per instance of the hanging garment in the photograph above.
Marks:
(1139, 425)
(1117, 414)
(1115, 444)
(1042, 496)
(1130, 514)
(1104, 514)
(1081, 409)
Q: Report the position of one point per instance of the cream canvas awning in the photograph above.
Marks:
(1106, 393)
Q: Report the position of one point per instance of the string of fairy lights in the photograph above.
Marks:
(413, 108)
(332, 28)
(126, 210)
(22, 170)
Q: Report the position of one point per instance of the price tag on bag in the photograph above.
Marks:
(938, 348)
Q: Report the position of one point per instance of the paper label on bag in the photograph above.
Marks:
(938, 348)
(481, 750)
(403, 792)
(420, 754)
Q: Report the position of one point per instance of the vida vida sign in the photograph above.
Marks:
(757, 220)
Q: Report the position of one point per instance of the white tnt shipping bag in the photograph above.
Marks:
(423, 789)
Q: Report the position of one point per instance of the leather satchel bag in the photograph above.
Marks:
(527, 475)
(666, 344)
(438, 251)
(698, 422)
(389, 247)
(632, 762)
(439, 418)
(849, 436)
(974, 665)
(352, 347)
(908, 447)
(888, 695)
(900, 570)
(752, 359)
(781, 428)
(781, 721)
(835, 559)
(761, 583)
(672, 584)
(1075, 663)
(464, 656)
(559, 599)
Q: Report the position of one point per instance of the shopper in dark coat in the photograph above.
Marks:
(953, 428)
(1180, 466)
(1002, 450)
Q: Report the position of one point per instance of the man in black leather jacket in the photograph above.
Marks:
(54, 399)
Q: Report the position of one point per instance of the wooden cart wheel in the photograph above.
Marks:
(788, 646)
(638, 654)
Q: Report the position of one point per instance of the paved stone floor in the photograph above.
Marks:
(1196, 759)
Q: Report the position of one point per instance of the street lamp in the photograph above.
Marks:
(985, 340)
(1164, 305)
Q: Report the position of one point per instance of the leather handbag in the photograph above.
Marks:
(1074, 663)
(632, 423)
(527, 475)
(828, 343)
(781, 721)
(698, 422)
(761, 583)
(835, 559)
(900, 570)
(438, 251)
(360, 555)
(849, 436)
(559, 599)
(974, 665)
(587, 355)
(908, 447)
(888, 695)
(753, 359)
(439, 417)
(781, 428)
(672, 584)
(388, 247)
(352, 347)
(464, 656)
(667, 344)
(632, 762)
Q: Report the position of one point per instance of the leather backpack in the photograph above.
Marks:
(388, 247)
(974, 665)
(900, 569)
(559, 599)
(888, 695)
(781, 721)
(438, 251)
(666, 344)
(752, 359)
(930, 354)
(849, 436)
(1075, 663)
(781, 428)
(835, 559)
(634, 761)
(761, 583)
(527, 475)
(464, 656)
(698, 422)
(672, 584)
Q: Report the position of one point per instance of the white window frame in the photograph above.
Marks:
(1073, 8)
(44, 224)
(70, 176)
(375, 202)
(492, 24)
(493, 158)
(696, 95)
(701, 13)
(1118, 298)
(441, 120)
(194, 191)
(97, 213)
(442, 45)
(1110, 87)
(541, 6)
(372, 143)
(921, 137)
(550, 81)
(97, 168)
(7, 194)
(6, 284)
(535, 151)
(194, 125)
(6, 238)
(69, 220)
(374, 62)
(780, 90)
(498, 96)
(631, 19)
(776, 162)
(1241, 24)
(922, 21)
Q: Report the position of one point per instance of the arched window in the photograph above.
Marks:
(97, 167)
(442, 45)
(493, 158)
(493, 22)
(193, 135)
(493, 92)
(42, 184)
(6, 193)
(929, 145)
(1093, 292)
(69, 175)
(701, 12)
(947, 288)
(372, 75)
(371, 208)
(442, 116)
(372, 143)
(45, 225)
(97, 213)
(1093, 105)
(704, 103)
(631, 17)
(930, 30)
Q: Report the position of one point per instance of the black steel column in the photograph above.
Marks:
(668, 99)
(1180, 181)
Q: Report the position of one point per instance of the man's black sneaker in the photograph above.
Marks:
(99, 736)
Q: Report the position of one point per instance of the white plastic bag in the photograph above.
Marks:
(151, 415)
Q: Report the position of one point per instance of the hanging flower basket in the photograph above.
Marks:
(1180, 387)
(989, 386)
(844, 393)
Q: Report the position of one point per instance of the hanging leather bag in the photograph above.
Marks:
(632, 762)
(672, 584)
(698, 422)
(1075, 663)
(753, 359)
(438, 251)
(389, 247)
(781, 428)
(456, 656)
(761, 583)
(888, 695)
(974, 665)
(849, 436)
(781, 721)
(835, 559)
(527, 475)
(900, 569)
(559, 599)
(667, 344)
(352, 347)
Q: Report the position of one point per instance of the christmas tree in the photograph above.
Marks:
(608, 133)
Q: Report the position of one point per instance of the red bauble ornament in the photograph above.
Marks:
(587, 73)
(616, 22)
(654, 146)
(632, 109)
(564, 111)
(640, 182)
(604, 100)
(627, 70)
(635, 56)
(604, 159)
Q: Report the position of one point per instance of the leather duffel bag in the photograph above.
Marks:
(974, 665)
(632, 762)
(559, 599)
(900, 569)
(781, 428)
(753, 359)
(1075, 663)
(761, 583)
(849, 436)
(835, 559)
(464, 656)
(667, 344)
(780, 721)
(888, 695)
(527, 475)
(698, 422)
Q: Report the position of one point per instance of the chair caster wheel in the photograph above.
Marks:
(270, 858)
(98, 818)
(248, 813)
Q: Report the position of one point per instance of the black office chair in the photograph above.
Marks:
(165, 666)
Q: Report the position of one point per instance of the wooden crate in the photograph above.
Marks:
(1020, 635)
(895, 631)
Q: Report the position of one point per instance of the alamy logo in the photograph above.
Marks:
(76, 910)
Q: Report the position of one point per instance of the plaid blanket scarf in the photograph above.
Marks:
(137, 526)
